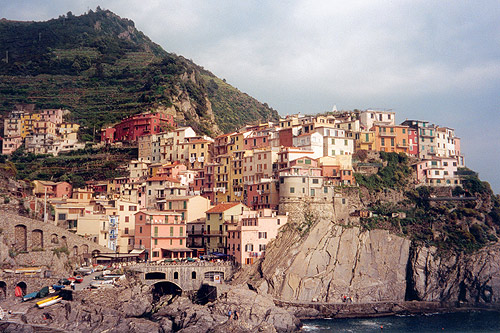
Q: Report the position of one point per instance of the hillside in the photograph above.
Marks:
(101, 68)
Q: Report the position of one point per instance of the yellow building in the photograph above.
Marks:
(27, 123)
(365, 141)
(199, 153)
(391, 138)
(221, 178)
(216, 231)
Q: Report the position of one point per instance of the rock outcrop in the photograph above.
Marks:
(332, 260)
(473, 279)
(130, 308)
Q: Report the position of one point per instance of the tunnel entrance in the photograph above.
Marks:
(165, 291)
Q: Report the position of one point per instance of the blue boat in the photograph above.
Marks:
(30, 296)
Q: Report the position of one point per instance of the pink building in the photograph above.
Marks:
(171, 170)
(257, 139)
(54, 115)
(11, 143)
(247, 240)
(162, 234)
(438, 172)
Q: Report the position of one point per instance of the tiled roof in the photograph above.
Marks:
(220, 208)
(157, 179)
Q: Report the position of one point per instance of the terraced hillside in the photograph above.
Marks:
(101, 68)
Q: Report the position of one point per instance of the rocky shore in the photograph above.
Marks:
(130, 308)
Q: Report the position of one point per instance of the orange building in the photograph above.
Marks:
(391, 138)
(162, 234)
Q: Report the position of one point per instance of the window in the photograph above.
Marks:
(62, 217)
(126, 231)
(156, 231)
(171, 231)
(181, 231)
(313, 192)
(345, 142)
(121, 208)
(176, 275)
(156, 241)
(307, 161)
(263, 235)
(325, 189)
(292, 189)
(156, 254)
(382, 142)
(249, 247)
(193, 275)
(140, 230)
(180, 241)
(445, 163)
(262, 247)
(132, 208)
(392, 142)
(315, 181)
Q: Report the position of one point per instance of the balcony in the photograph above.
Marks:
(387, 134)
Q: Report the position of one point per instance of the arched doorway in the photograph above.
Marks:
(54, 239)
(85, 248)
(23, 287)
(3, 290)
(37, 239)
(165, 291)
(20, 243)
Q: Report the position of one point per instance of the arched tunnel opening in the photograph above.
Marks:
(165, 292)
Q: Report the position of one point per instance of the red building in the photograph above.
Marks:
(413, 141)
(133, 127)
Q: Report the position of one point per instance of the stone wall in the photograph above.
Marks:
(25, 235)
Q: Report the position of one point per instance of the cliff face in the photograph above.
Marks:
(332, 260)
(474, 278)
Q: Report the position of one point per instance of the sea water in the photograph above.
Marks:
(470, 321)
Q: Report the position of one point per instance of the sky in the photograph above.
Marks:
(430, 60)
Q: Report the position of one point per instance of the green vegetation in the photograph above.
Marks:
(467, 224)
(394, 175)
(63, 249)
(75, 167)
(102, 69)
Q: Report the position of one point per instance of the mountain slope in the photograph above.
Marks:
(100, 67)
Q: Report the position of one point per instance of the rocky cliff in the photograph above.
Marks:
(332, 260)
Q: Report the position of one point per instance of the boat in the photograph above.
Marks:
(57, 287)
(78, 279)
(50, 301)
(30, 296)
(28, 270)
(101, 283)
